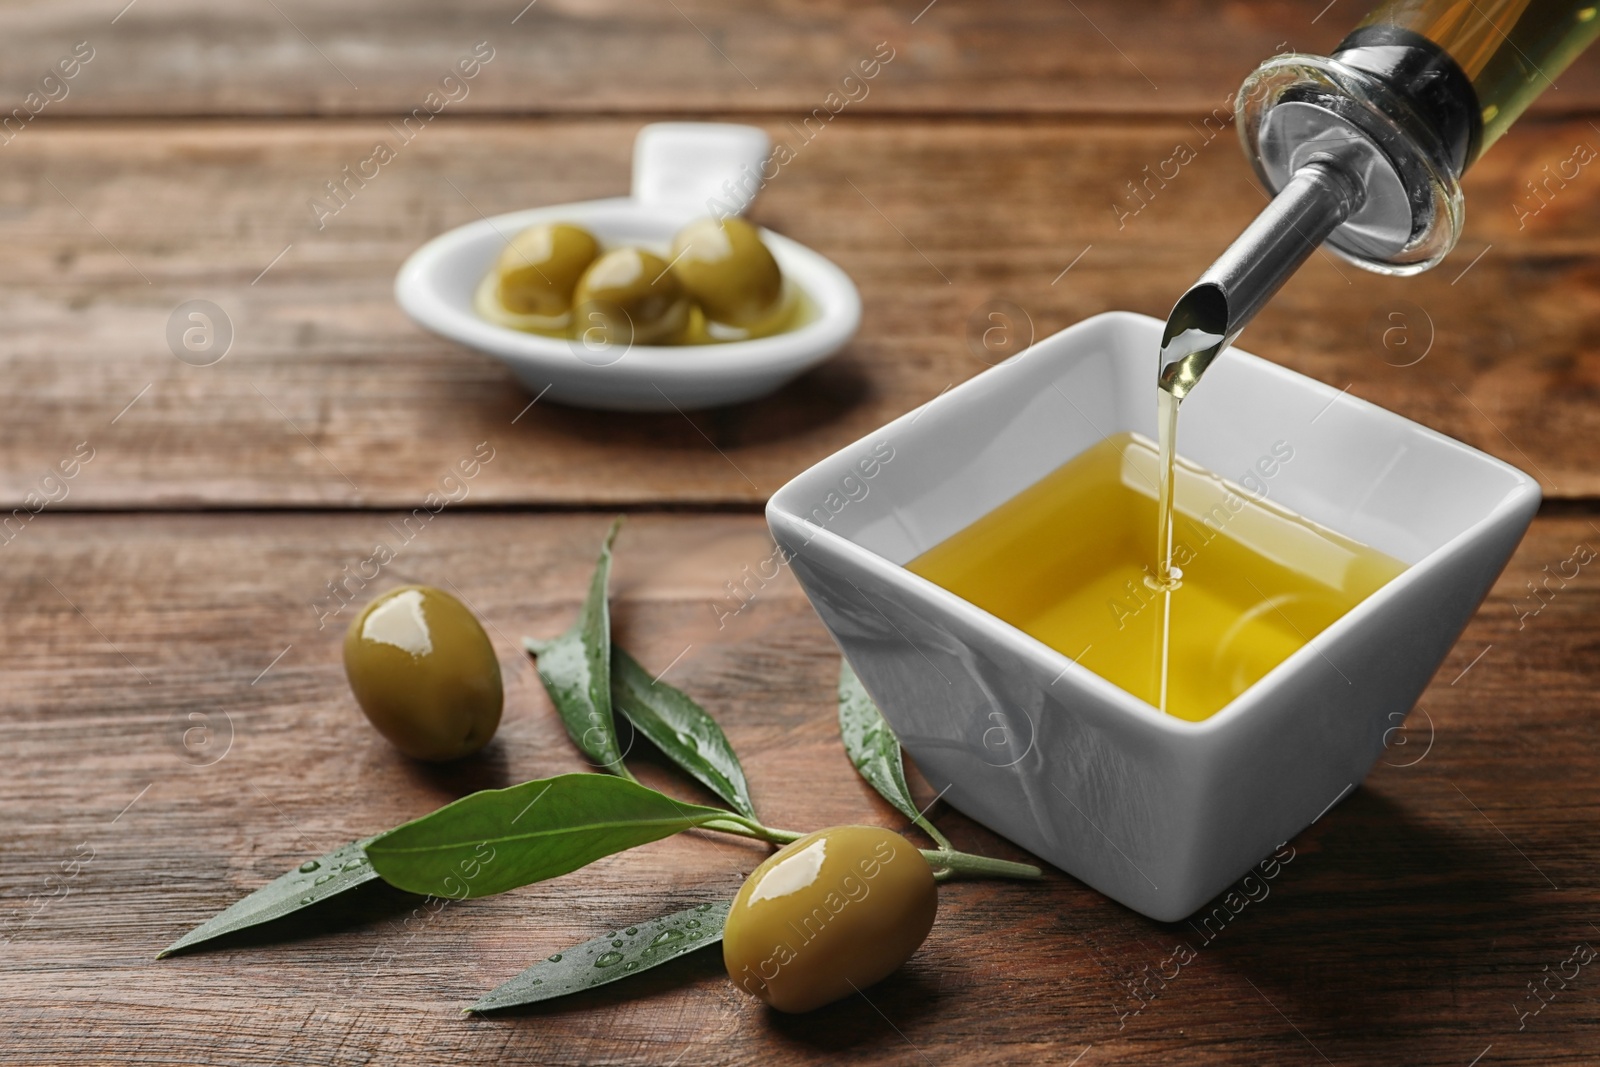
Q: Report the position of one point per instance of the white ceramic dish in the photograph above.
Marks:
(1156, 812)
(678, 168)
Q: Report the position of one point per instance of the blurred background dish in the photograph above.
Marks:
(682, 170)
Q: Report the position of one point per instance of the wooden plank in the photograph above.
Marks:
(1404, 928)
(331, 397)
(300, 57)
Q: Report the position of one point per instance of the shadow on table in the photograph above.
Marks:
(812, 401)
(489, 768)
(862, 1023)
(1374, 902)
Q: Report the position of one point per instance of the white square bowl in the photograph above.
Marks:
(1156, 812)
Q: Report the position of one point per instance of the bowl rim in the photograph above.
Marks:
(1522, 493)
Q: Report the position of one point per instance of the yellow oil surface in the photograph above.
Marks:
(1066, 561)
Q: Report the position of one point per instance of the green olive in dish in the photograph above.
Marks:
(629, 296)
(424, 673)
(728, 271)
(538, 270)
(828, 915)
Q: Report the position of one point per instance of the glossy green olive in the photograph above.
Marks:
(423, 670)
(726, 269)
(629, 296)
(538, 270)
(831, 913)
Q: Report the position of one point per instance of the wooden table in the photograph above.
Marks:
(173, 580)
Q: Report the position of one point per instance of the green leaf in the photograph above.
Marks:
(576, 670)
(681, 729)
(874, 749)
(604, 960)
(310, 883)
(500, 839)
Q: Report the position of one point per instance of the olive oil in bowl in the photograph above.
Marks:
(1070, 561)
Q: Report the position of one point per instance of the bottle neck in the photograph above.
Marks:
(1510, 51)
(1423, 77)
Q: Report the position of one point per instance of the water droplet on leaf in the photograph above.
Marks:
(608, 959)
(665, 938)
(308, 866)
(556, 958)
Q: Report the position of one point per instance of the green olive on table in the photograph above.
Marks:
(828, 915)
(423, 671)
(629, 296)
(539, 268)
(726, 269)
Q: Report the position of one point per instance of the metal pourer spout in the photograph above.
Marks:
(1318, 199)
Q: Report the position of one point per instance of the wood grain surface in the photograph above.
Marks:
(1403, 930)
(174, 717)
(187, 57)
(330, 396)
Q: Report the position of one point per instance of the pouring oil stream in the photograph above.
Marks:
(1208, 317)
